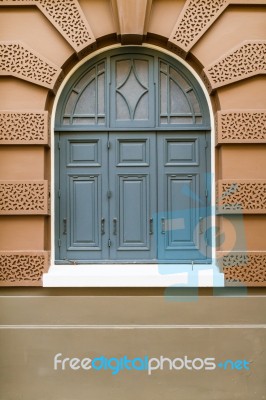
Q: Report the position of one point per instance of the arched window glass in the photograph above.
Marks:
(136, 89)
(85, 104)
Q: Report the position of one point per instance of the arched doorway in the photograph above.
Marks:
(132, 162)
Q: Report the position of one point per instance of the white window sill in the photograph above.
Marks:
(133, 275)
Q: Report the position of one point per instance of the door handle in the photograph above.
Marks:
(114, 226)
(151, 226)
(200, 225)
(102, 226)
(64, 226)
(163, 226)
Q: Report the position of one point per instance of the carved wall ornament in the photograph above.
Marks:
(245, 60)
(22, 62)
(66, 16)
(241, 197)
(23, 268)
(195, 18)
(248, 268)
(24, 197)
(24, 127)
(241, 126)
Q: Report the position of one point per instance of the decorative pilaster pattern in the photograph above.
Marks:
(24, 197)
(246, 60)
(22, 62)
(244, 268)
(24, 127)
(195, 18)
(66, 16)
(241, 197)
(241, 126)
(23, 268)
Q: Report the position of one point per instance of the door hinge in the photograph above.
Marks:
(206, 144)
(58, 145)
(109, 194)
(59, 242)
(108, 144)
(109, 243)
(206, 192)
(59, 193)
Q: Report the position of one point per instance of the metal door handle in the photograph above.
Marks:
(151, 226)
(102, 226)
(200, 225)
(114, 226)
(163, 226)
(64, 226)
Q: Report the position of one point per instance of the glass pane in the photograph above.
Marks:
(101, 121)
(178, 101)
(194, 101)
(101, 67)
(142, 109)
(84, 121)
(101, 97)
(181, 120)
(179, 79)
(86, 102)
(142, 71)
(132, 91)
(164, 120)
(66, 121)
(86, 79)
(163, 94)
(122, 111)
(122, 71)
(163, 67)
(71, 103)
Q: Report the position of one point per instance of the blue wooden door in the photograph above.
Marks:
(133, 196)
(82, 191)
(107, 196)
(183, 198)
(133, 203)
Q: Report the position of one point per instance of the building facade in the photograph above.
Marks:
(133, 158)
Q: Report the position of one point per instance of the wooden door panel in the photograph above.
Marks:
(132, 174)
(182, 197)
(133, 212)
(85, 206)
(83, 186)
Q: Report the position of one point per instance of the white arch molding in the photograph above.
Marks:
(132, 275)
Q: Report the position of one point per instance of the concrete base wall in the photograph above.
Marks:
(38, 324)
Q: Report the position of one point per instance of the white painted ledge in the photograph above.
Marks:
(133, 275)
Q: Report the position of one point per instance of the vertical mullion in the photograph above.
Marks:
(168, 95)
(96, 95)
(109, 199)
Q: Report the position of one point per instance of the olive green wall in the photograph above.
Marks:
(38, 324)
